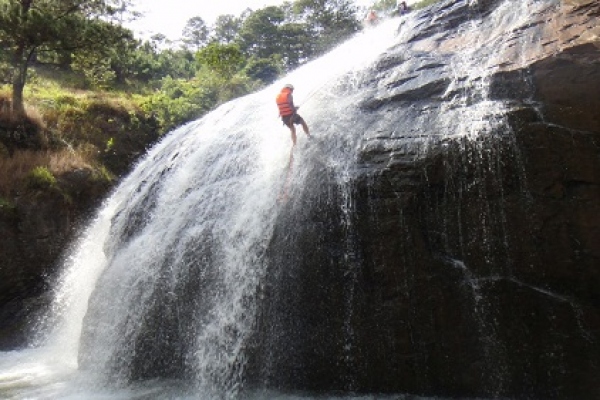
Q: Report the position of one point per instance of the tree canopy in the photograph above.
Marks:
(226, 28)
(31, 27)
(195, 33)
(225, 59)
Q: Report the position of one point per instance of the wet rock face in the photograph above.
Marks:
(35, 231)
(475, 230)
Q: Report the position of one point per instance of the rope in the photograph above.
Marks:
(311, 94)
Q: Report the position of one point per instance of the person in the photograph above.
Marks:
(289, 113)
(403, 8)
(372, 18)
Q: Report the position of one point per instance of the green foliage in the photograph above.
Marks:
(50, 81)
(224, 59)
(41, 178)
(195, 33)
(102, 175)
(103, 65)
(95, 68)
(109, 144)
(297, 32)
(299, 42)
(265, 70)
(28, 28)
(329, 21)
(179, 101)
(149, 65)
(226, 29)
(260, 35)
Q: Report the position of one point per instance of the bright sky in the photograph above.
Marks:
(170, 16)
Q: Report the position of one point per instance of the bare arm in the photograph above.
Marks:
(291, 101)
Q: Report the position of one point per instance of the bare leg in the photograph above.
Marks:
(305, 127)
(293, 131)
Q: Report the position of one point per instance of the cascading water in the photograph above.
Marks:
(194, 281)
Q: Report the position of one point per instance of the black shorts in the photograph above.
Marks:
(294, 118)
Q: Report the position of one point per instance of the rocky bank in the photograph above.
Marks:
(38, 222)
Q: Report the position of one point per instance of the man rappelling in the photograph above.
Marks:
(289, 113)
(290, 117)
(372, 19)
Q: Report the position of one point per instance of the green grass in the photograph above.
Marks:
(41, 178)
(49, 90)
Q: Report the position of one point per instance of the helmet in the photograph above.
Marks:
(288, 86)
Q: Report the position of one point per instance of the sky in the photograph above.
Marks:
(170, 16)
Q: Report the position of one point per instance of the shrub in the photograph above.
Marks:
(266, 70)
(41, 178)
(102, 175)
(181, 101)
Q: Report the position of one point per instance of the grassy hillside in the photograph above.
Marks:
(69, 128)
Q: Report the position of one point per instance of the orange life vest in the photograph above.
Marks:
(284, 103)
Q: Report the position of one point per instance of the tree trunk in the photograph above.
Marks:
(20, 63)
(18, 107)
(22, 59)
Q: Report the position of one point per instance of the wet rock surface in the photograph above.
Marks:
(474, 219)
(35, 231)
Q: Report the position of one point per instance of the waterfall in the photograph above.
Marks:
(196, 280)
